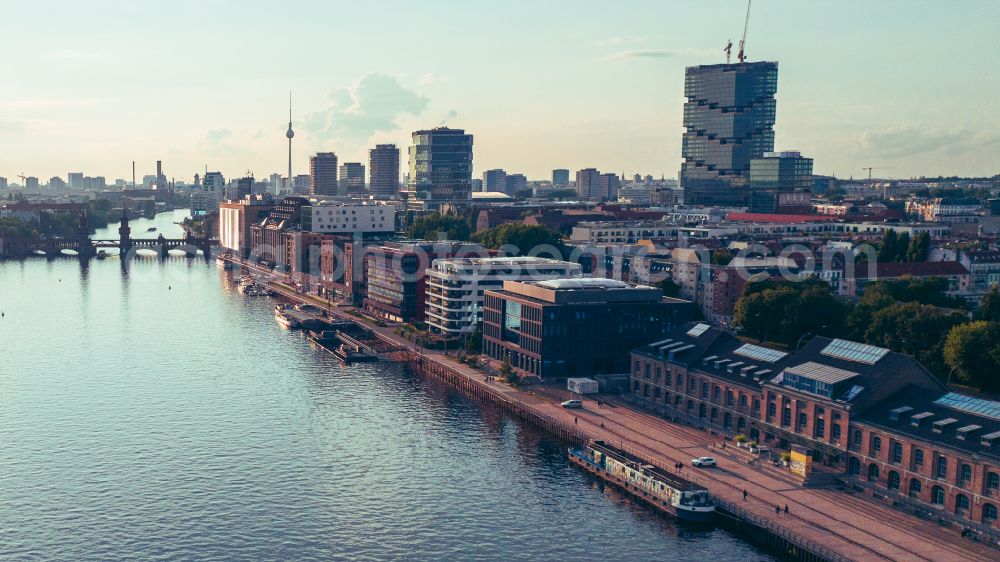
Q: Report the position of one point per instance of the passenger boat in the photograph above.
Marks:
(151, 229)
(661, 489)
(101, 254)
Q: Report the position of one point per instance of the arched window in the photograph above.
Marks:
(992, 481)
(896, 456)
(854, 466)
(961, 503)
(727, 420)
(965, 474)
(893, 481)
(873, 472)
(942, 468)
(915, 488)
(989, 513)
(937, 495)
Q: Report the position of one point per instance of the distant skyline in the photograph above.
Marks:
(907, 87)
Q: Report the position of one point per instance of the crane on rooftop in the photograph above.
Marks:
(741, 56)
(728, 50)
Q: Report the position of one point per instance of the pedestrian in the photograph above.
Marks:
(602, 424)
(777, 510)
(744, 494)
(576, 420)
(786, 509)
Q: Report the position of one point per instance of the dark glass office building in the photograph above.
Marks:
(440, 168)
(728, 120)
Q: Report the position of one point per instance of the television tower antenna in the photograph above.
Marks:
(746, 25)
(290, 134)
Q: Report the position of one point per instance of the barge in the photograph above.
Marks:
(663, 490)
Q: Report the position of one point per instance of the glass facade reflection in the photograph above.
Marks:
(729, 120)
(440, 168)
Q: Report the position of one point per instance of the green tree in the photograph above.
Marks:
(973, 351)
(523, 238)
(669, 288)
(507, 373)
(722, 257)
(888, 249)
(902, 247)
(920, 248)
(915, 329)
(989, 307)
(434, 225)
(782, 311)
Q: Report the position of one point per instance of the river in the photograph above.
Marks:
(160, 415)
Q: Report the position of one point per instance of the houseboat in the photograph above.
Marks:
(659, 488)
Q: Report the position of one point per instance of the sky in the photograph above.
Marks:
(909, 87)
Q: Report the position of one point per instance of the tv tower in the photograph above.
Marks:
(290, 134)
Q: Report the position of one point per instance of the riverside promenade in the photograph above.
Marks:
(832, 525)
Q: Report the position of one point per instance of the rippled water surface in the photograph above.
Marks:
(163, 416)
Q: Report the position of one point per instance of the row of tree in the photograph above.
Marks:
(902, 248)
(916, 317)
(519, 239)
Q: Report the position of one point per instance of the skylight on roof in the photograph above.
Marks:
(971, 405)
(854, 351)
(752, 351)
(698, 329)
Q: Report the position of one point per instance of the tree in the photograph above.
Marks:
(523, 238)
(669, 288)
(507, 373)
(989, 307)
(915, 329)
(889, 247)
(973, 351)
(902, 247)
(434, 225)
(722, 257)
(782, 311)
(920, 248)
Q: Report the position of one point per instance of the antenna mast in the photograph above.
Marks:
(746, 25)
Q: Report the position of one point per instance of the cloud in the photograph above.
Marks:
(12, 127)
(616, 41)
(898, 142)
(431, 78)
(652, 54)
(371, 105)
(216, 136)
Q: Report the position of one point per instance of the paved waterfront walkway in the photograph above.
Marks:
(853, 526)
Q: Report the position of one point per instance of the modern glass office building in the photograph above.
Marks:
(729, 120)
(440, 168)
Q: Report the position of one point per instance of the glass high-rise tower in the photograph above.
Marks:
(440, 169)
(728, 120)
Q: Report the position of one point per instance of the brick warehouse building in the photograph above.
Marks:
(876, 416)
(575, 327)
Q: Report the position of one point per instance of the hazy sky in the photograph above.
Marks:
(911, 86)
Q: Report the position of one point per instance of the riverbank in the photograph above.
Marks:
(821, 523)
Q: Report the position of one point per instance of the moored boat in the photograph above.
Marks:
(663, 490)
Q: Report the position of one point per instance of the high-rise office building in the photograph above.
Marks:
(3, 183)
(495, 180)
(786, 171)
(515, 183)
(586, 182)
(440, 168)
(244, 187)
(56, 182)
(31, 183)
(352, 179)
(75, 180)
(323, 174)
(560, 178)
(729, 120)
(383, 170)
(781, 182)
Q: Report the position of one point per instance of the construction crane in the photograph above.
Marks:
(741, 56)
(728, 50)
(23, 178)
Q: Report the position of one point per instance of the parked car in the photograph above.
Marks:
(572, 404)
(703, 462)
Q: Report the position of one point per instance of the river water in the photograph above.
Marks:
(160, 415)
